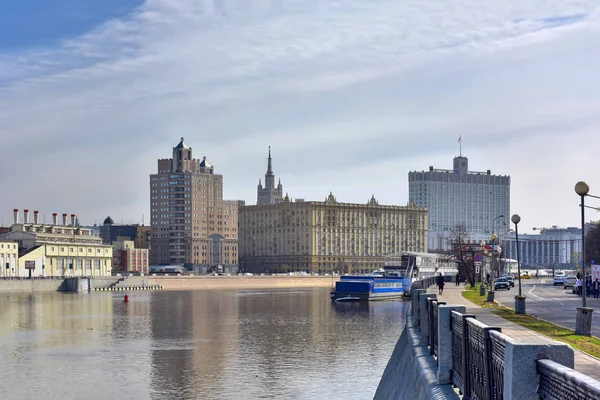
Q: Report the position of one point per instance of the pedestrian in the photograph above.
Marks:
(596, 288)
(588, 286)
(440, 283)
(578, 285)
(457, 279)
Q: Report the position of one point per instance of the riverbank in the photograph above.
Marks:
(239, 282)
(176, 282)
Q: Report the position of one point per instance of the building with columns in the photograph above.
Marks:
(327, 236)
(269, 194)
(191, 224)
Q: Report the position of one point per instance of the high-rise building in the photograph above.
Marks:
(269, 194)
(327, 236)
(459, 197)
(191, 224)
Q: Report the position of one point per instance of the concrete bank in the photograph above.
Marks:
(30, 285)
(410, 373)
(239, 282)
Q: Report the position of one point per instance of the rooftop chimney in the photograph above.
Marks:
(36, 217)
(65, 219)
(16, 215)
(54, 218)
(26, 216)
(73, 220)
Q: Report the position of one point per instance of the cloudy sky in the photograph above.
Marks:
(350, 94)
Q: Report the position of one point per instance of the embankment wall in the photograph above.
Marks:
(410, 373)
(30, 285)
(239, 282)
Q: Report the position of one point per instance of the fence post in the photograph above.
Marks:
(444, 339)
(416, 307)
(521, 377)
(425, 317)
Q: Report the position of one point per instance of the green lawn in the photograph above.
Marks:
(590, 345)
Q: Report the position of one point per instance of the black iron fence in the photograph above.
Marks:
(478, 359)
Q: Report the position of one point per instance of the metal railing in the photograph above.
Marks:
(558, 382)
(478, 359)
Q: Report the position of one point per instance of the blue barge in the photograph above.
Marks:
(366, 288)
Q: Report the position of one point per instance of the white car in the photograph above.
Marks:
(570, 281)
(559, 279)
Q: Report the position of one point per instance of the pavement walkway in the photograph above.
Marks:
(584, 363)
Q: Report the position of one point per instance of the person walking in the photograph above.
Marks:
(457, 279)
(596, 288)
(440, 283)
(578, 285)
(588, 286)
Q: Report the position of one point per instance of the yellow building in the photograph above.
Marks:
(323, 237)
(9, 257)
(58, 250)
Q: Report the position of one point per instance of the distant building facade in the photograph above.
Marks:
(128, 258)
(460, 197)
(269, 194)
(9, 258)
(59, 249)
(191, 224)
(109, 231)
(323, 237)
(558, 248)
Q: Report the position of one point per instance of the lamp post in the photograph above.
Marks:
(520, 299)
(494, 238)
(583, 322)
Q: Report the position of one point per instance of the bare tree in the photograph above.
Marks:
(463, 254)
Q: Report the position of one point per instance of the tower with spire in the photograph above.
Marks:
(269, 194)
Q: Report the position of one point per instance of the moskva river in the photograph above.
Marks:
(235, 344)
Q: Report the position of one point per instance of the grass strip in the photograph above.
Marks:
(587, 344)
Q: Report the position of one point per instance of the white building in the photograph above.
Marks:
(461, 197)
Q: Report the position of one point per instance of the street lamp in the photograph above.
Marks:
(494, 238)
(520, 299)
(583, 322)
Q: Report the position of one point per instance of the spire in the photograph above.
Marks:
(269, 167)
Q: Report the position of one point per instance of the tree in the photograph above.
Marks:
(592, 244)
(464, 258)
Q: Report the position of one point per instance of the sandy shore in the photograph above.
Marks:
(241, 282)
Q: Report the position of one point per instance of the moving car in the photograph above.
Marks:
(570, 281)
(525, 276)
(559, 279)
(501, 283)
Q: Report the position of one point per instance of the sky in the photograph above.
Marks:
(351, 95)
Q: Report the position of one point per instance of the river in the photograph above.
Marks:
(234, 344)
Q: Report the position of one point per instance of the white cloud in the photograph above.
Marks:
(351, 95)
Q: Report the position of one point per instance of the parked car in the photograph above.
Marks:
(559, 279)
(510, 278)
(570, 281)
(501, 283)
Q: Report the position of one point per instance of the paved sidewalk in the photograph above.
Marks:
(584, 363)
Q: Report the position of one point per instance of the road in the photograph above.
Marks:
(552, 303)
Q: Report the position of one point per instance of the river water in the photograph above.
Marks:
(234, 344)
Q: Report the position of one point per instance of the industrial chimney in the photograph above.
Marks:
(16, 215)
(25, 216)
(65, 219)
(36, 217)
(54, 218)
(73, 220)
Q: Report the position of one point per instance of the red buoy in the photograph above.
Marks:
(126, 299)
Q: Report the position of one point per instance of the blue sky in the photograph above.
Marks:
(350, 95)
(36, 23)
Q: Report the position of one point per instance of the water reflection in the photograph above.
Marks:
(195, 345)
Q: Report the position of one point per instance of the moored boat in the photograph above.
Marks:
(367, 288)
